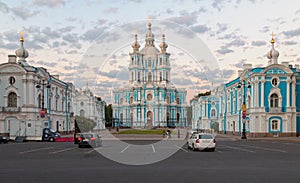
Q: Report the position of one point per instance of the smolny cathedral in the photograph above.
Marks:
(151, 100)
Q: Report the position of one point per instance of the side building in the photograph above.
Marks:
(87, 105)
(32, 99)
(265, 101)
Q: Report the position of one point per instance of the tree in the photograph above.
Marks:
(108, 115)
(84, 124)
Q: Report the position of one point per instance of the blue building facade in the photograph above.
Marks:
(271, 98)
(150, 100)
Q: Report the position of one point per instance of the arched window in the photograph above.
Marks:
(178, 116)
(149, 97)
(121, 101)
(168, 99)
(149, 77)
(275, 125)
(213, 113)
(81, 113)
(274, 100)
(149, 63)
(121, 118)
(131, 99)
(12, 100)
(139, 76)
(177, 100)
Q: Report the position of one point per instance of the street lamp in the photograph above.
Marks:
(41, 85)
(244, 108)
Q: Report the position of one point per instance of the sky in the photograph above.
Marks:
(90, 41)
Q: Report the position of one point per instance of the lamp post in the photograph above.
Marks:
(41, 85)
(244, 108)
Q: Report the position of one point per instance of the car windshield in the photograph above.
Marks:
(205, 136)
(87, 135)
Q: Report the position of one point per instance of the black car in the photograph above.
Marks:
(3, 140)
(49, 135)
(89, 140)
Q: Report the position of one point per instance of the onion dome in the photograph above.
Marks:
(136, 46)
(149, 51)
(273, 54)
(163, 46)
(21, 53)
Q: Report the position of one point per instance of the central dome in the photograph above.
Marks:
(150, 51)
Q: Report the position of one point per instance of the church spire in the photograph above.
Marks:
(135, 46)
(149, 36)
(21, 53)
(163, 46)
(273, 54)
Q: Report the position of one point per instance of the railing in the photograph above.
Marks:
(275, 109)
(11, 109)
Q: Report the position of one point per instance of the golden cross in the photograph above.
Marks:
(272, 35)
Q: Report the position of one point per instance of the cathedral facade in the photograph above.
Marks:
(151, 100)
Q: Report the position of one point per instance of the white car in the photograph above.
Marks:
(201, 141)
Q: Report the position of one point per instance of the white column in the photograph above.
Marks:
(262, 95)
(256, 94)
(24, 90)
(293, 91)
(288, 85)
(31, 96)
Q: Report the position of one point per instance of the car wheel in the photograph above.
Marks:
(194, 149)
(212, 149)
(51, 139)
(188, 145)
(79, 146)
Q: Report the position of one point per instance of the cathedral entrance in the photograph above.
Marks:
(149, 119)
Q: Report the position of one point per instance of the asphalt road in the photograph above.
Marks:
(234, 161)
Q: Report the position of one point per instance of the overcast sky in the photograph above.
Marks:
(64, 35)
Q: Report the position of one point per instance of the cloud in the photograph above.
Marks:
(45, 63)
(224, 50)
(258, 43)
(292, 33)
(289, 43)
(187, 20)
(240, 63)
(265, 29)
(92, 34)
(221, 28)
(49, 3)
(238, 42)
(4, 8)
(200, 28)
(182, 81)
(23, 13)
(111, 10)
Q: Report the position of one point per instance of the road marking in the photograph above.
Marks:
(63, 150)
(264, 148)
(153, 148)
(181, 148)
(96, 149)
(219, 151)
(34, 150)
(236, 148)
(125, 148)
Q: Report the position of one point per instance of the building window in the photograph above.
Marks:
(168, 99)
(81, 113)
(149, 77)
(149, 63)
(131, 99)
(121, 118)
(40, 100)
(56, 104)
(274, 100)
(149, 97)
(82, 104)
(275, 125)
(274, 81)
(121, 101)
(160, 76)
(177, 100)
(160, 61)
(213, 113)
(178, 117)
(139, 76)
(11, 80)
(62, 105)
(12, 100)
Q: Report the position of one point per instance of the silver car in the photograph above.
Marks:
(201, 141)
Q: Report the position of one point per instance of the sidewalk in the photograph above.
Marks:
(238, 137)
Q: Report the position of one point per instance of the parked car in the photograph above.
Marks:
(201, 141)
(49, 135)
(3, 140)
(89, 140)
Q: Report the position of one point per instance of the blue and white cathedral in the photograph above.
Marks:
(151, 100)
(271, 98)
